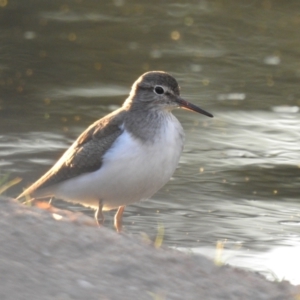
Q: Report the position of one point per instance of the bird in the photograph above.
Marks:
(124, 157)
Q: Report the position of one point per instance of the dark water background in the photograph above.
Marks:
(64, 64)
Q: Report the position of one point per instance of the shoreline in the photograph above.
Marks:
(71, 258)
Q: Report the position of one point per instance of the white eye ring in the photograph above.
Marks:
(159, 90)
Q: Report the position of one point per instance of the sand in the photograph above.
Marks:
(43, 258)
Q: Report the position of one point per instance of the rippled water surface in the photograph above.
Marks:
(235, 194)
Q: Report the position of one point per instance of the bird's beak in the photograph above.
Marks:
(187, 105)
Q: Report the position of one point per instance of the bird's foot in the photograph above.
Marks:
(99, 214)
(118, 219)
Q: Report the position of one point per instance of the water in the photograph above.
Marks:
(62, 66)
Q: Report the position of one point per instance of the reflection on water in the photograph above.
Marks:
(279, 263)
(62, 66)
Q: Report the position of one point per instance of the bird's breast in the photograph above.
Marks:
(139, 169)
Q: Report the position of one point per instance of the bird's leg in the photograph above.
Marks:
(99, 215)
(118, 218)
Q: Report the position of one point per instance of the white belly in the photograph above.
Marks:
(131, 170)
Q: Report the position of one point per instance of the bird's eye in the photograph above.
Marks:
(159, 90)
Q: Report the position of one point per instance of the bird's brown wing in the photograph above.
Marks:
(85, 155)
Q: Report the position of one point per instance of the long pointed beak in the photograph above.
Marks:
(185, 104)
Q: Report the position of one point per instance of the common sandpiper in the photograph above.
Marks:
(124, 157)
